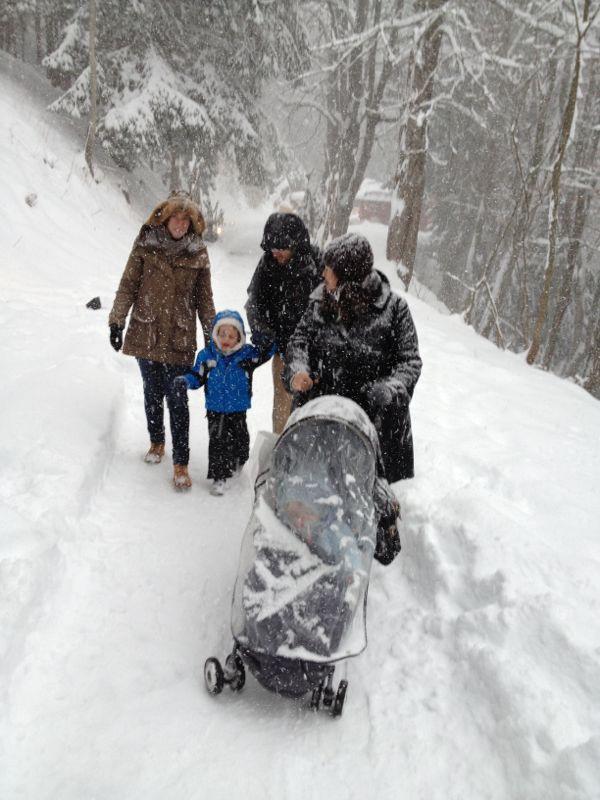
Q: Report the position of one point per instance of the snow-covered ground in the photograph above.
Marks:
(482, 674)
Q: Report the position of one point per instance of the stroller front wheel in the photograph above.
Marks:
(315, 700)
(338, 703)
(213, 676)
(236, 672)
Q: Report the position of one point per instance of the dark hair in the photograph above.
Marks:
(350, 303)
(351, 258)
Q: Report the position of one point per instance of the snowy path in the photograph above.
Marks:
(482, 675)
(140, 594)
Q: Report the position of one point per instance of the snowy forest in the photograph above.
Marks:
(482, 120)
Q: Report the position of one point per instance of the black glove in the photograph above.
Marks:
(180, 383)
(388, 539)
(261, 340)
(249, 364)
(116, 337)
(388, 545)
(380, 395)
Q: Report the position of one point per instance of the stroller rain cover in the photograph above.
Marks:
(307, 551)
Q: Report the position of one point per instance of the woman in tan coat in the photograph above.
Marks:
(165, 284)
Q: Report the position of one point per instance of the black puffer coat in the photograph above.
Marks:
(278, 294)
(374, 356)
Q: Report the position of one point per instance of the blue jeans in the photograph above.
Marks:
(158, 384)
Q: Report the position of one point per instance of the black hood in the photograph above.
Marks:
(285, 232)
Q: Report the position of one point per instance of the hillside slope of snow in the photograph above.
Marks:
(482, 674)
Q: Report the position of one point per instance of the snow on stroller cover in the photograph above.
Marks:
(299, 603)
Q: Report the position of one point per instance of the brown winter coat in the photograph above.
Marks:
(167, 282)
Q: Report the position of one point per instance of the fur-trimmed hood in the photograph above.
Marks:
(229, 317)
(159, 240)
(177, 202)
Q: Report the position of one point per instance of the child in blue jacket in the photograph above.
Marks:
(225, 370)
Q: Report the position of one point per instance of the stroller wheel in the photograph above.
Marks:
(328, 693)
(315, 700)
(236, 672)
(328, 696)
(213, 676)
(338, 703)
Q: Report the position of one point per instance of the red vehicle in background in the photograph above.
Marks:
(374, 205)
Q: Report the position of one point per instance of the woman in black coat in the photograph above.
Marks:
(357, 339)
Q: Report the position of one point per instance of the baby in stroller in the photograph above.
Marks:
(299, 603)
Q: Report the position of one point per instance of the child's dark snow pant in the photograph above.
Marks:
(228, 443)
(158, 384)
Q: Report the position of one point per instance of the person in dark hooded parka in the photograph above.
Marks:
(357, 339)
(278, 295)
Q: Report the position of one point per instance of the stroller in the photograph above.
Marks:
(299, 603)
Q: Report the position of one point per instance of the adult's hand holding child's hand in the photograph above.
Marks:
(302, 382)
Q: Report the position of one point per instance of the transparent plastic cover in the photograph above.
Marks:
(308, 547)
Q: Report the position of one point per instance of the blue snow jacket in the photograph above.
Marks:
(227, 378)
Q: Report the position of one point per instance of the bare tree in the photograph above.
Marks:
(527, 178)
(578, 206)
(355, 94)
(568, 117)
(410, 178)
(359, 45)
(592, 383)
(91, 135)
(39, 46)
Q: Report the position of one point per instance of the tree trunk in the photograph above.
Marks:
(23, 32)
(354, 97)
(51, 28)
(566, 126)
(89, 143)
(10, 38)
(39, 49)
(456, 284)
(592, 383)
(580, 206)
(344, 136)
(174, 179)
(526, 213)
(410, 179)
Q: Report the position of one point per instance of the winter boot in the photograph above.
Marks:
(217, 488)
(181, 477)
(155, 454)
